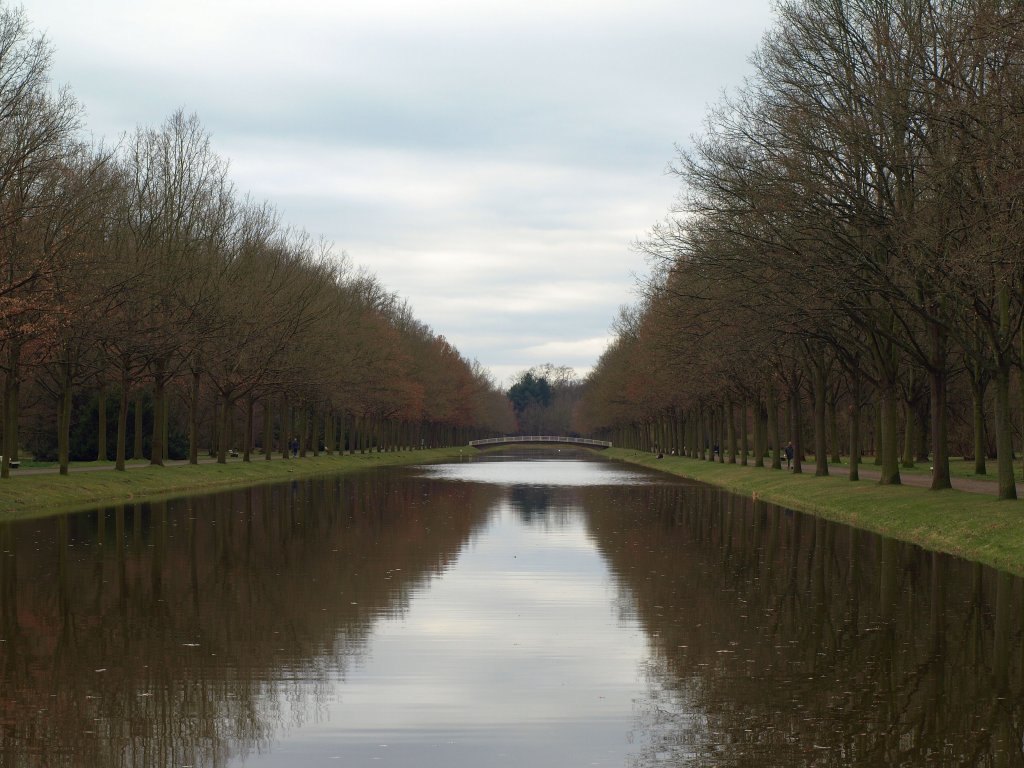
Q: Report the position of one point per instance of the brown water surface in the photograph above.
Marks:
(500, 612)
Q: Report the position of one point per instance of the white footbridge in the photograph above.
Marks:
(585, 442)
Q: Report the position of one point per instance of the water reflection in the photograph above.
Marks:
(160, 635)
(550, 613)
(778, 639)
(510, 470)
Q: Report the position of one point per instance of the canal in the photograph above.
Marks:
(553, 610)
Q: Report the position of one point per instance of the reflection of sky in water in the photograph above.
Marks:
(552, 472)
(516, 656)
(389, 619)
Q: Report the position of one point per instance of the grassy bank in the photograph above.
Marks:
(45, 494)
(970, 525)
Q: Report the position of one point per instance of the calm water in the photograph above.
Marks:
(497, 613)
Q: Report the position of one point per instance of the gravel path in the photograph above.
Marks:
(968, 484)
(110, 468)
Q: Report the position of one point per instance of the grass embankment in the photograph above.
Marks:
(969, 525)
(45, 494)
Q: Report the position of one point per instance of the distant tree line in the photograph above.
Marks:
(843, 268)
(544, 399)
(147, 308)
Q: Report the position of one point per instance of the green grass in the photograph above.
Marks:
(44, 494)
(970, 525)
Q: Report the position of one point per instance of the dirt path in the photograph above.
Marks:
(110, 468)
(970, 485)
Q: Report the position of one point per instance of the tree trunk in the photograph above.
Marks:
(797, 434)
(5, 463)
(215, 429)
(744, 437)
(876, 433)
(226, 406)
(786, 420)
(1004, 427)
(14, 414)
(231, 426)
(939, 411)
(10, 411)
(711, 429)
(304, 435)
(268, 429)
(730, 418)
(122, 424)
(717, 445)
(701, 434)
(855, 452)
(137, 444)
(889, 443)
(165, 420)
(1020, 389)
(193, 419)
(760, 437)
(285, 426)
(908, 435)
(820, 436)
(833, 427)
(157, 445)
(924, 435)
(978, 386)
(1004, 434)
(101, 426)
(64, 418)
(773, 428)
(250, 409)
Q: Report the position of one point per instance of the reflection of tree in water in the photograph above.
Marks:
(779, 639)
(544, 505)
(531, 503)
(184, 633)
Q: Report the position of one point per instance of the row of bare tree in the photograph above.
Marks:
(142, 267)
(849, 234)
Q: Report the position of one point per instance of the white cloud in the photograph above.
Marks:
(557, 350)
(490, 161)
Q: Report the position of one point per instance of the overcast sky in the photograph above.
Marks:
(489, 161)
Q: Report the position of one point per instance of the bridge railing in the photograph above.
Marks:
(541, 439)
